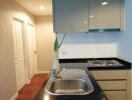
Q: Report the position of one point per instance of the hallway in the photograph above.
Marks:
(28, 92)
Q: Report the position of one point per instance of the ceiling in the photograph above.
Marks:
(34, 6)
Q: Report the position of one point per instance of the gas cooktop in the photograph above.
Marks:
(104, 63)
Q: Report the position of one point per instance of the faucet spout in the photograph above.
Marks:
(56, 72)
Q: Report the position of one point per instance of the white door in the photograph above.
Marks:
(19, 55)
(32, 57)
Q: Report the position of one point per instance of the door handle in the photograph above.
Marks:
(35, 52)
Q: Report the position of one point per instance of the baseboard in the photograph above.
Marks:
(14, 96)
(43, 72)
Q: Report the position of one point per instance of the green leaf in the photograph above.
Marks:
(56, 45)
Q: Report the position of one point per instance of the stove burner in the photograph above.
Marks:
(104, 63)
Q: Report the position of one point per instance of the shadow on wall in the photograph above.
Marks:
(90, 38)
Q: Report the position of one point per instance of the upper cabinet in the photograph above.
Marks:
(104, 15)
(70, 15)
(88, 15)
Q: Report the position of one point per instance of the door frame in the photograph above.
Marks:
(33, 25)
(25, 47)
(23, 38)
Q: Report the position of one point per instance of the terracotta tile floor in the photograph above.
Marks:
(28, 92)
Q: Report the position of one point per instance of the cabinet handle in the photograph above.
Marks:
(104, 30)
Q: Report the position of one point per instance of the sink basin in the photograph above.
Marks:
(70, 87)
(70, 82)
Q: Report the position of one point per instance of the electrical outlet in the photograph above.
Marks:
(63, 53)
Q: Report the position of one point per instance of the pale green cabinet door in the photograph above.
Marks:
(70, 15)
(105, 14)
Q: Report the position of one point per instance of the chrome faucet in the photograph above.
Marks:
(55, 73)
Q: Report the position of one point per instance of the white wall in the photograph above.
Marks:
(124, 48)
(8, 10)
(45, 42)
(88, 45)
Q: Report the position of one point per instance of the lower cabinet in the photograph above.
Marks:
(116, 95)
(114, 83)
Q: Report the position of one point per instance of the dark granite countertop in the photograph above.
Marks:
(97, 94)
(80, 62)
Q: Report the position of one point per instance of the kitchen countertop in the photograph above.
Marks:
(97, 94)
(80, 62)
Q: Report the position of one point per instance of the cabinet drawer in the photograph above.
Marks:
(112, 85)
(109, 74)
(116, 95)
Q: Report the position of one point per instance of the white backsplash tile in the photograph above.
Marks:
(91, 45)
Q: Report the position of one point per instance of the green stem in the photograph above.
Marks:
(57, 45)
(62, 40)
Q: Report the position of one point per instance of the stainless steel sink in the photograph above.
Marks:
(69, 87)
